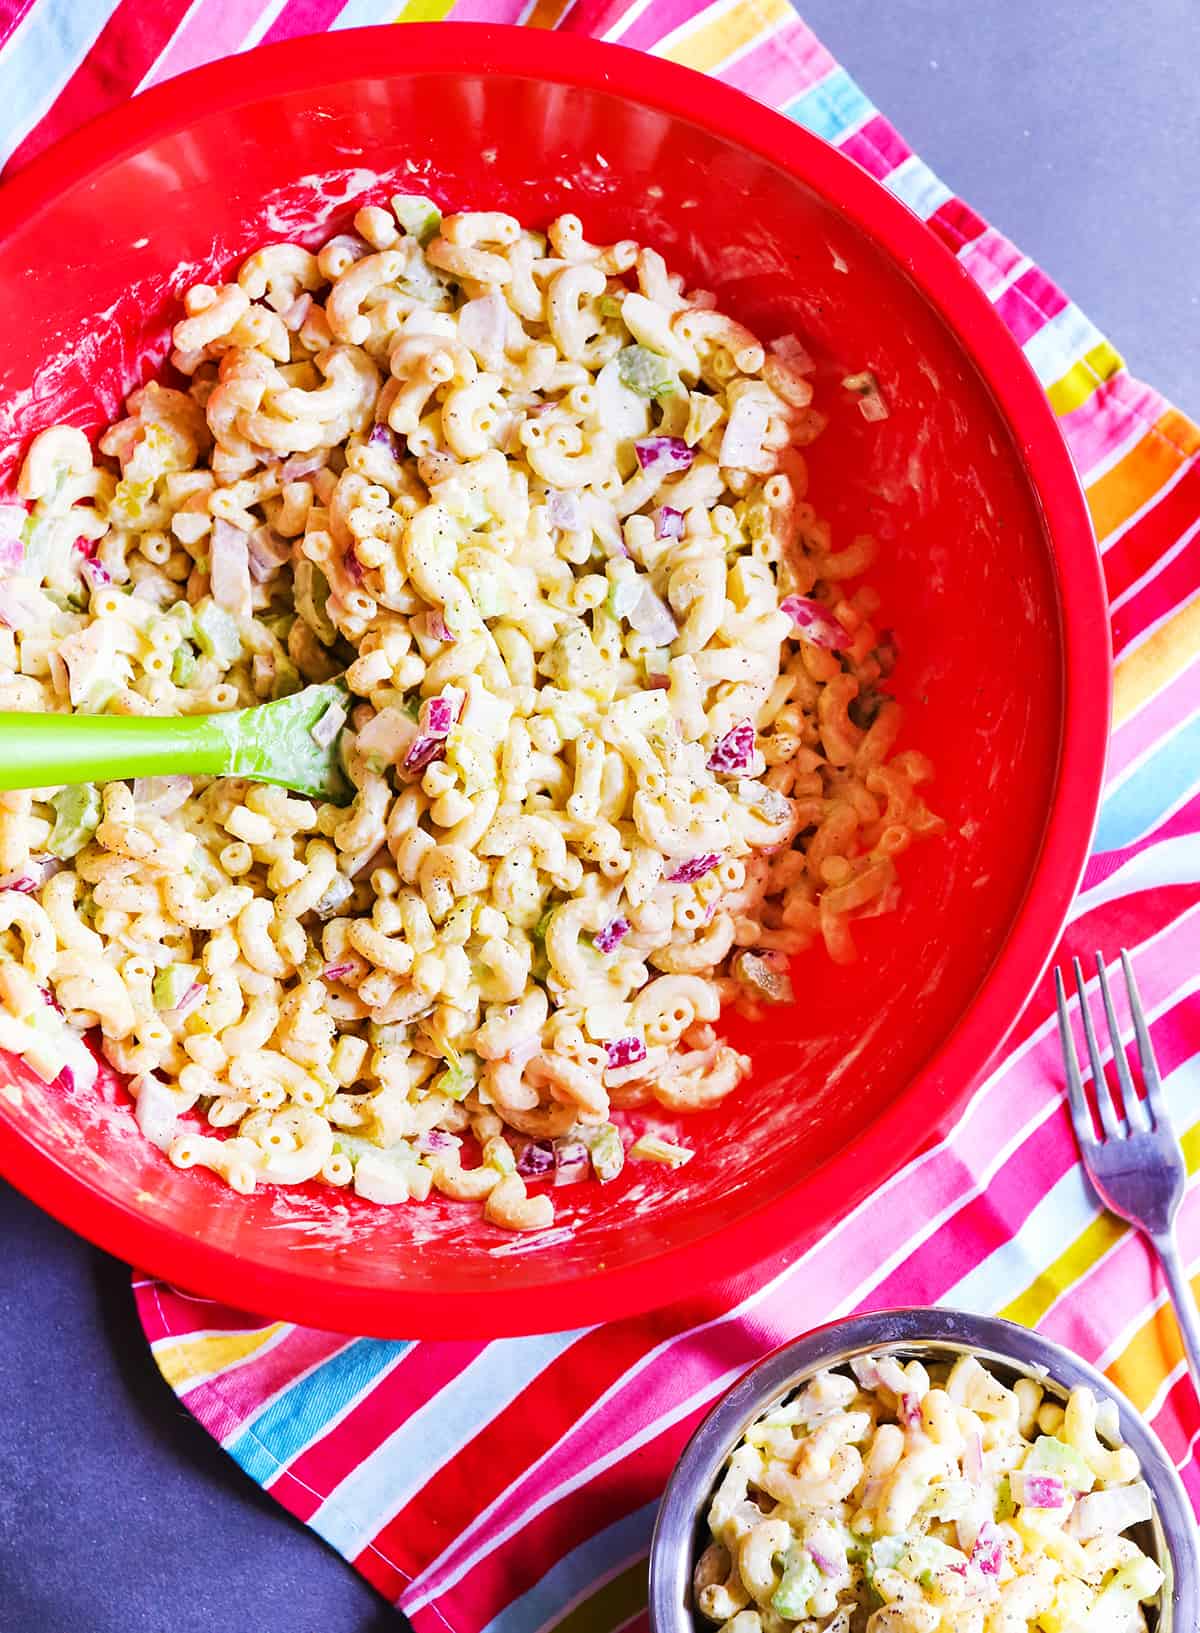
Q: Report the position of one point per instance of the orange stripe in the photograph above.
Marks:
(1133, 481)
(546, 13)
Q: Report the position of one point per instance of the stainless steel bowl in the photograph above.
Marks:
(1169, 1537)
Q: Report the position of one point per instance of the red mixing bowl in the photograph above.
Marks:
(988, 573)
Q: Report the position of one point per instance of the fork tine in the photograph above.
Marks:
(1135, 1112)
(1108, 1116)
(1081, 1117)
(1154, 1093)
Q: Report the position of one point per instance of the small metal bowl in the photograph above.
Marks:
(1169, 1537)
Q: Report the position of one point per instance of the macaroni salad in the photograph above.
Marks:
(616, 731)
(892, 1498)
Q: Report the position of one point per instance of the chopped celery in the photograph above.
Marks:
(419, 216)
(1005, 1507)
(76, 816)
(653, 1148)
(183, 665)
(646, 372)
(286, 680)
(1055, 1457)
(498, 1154)
(543, 924)
(801, 1579)
(312, 596)
(605, 1148)
(608, 306)
(217, 633)
(172, 985)
(486, 592)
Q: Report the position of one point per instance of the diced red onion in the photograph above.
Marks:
(694, 868)
(337, 972)
(973, 1459)
(658, 683)
(793, 353)
(734, 751)
(161, 796)
(605, 940)
(668, 522)
(437, 1139)
(742, 441)
(625, 1052)
(908, 1410)
(94, 575)
(1038, 1490)
(537, 1160)
(438, 714)
(301, 465)
(816, 623)
(571, 1162)
(663, 456)
(438, 628)
(327, 727)
(987, 1555)
(651, 617)
(423, 751)
(86, 548)
(294, 315)
(12, 549)
(825, 1566)
(565, 511)
(268, 552)
(191, 999)
(354, 568)
(32, 876)
(382, 436)
(483, 327)
(229, 568)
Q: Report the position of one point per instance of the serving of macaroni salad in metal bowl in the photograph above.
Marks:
(615, 723)
(891, 1497)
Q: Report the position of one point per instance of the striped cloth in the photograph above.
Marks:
(511, 1486)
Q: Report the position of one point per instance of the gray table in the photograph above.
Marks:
(1074, 129)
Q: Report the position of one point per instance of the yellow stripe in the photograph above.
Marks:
(1155, 664)
(1133, 481)
(610, 1606)
(1079, 382)
(425, 11)
(183, 1360)
(708, 44)
(1086, 1250)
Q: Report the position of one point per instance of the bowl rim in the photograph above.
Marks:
(941, 1085)
(674, 1539)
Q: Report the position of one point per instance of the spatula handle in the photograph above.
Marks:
(44, 750)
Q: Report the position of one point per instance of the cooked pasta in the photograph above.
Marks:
(617, 734)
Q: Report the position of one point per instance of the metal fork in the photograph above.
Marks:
(1136, 1165)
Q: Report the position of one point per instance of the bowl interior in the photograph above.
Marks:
(91, 279)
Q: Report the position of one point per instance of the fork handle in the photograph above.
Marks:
(1166, 1245)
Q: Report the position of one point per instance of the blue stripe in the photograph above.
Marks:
(43, 53)
(361, 13)
(1155, 788)
(289, 1422)
(833, 106)
(396, 1470)
(577, 1573)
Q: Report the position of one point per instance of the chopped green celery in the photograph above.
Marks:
(77, 814)
(183, 665)
(1056, 1457)
(543, 924)
(1005, 1508)
(217, 633)
(885, 1555)
(312, 596)
(1115, 1607)
(605, 1149)
(801, 1579)
(420, 283)
(287, 679)
(641, 712)
(646, 372)
(412, 706)
(37, 535)
(574, 659)
(468, 505)
(608, 306)
(172, 985)
(354, 1147)
(486, 591)
(926, 1556)
(388, 1036)
(279, 624)
(497, 1153)
(419, 216)
(457, 1081)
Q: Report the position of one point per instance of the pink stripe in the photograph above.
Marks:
(1041, 292)
(1156, 721)
(485, 11)
(246, 1387)
(695, 1360)
(1022, 316)
(1172, 589)
(1177, 1421)
(778, 69)
(990, 259)
(1114, 411)
(303, 17)
(877, 147)
(1105, 863)
(217, 29)
(656, 22)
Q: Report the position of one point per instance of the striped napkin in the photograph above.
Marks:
(511, 1487)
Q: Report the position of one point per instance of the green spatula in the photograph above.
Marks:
(293, 742)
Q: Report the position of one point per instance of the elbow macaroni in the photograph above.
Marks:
(540, 494)
(894, 1499)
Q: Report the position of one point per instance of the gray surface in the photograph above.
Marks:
(117, 1514)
